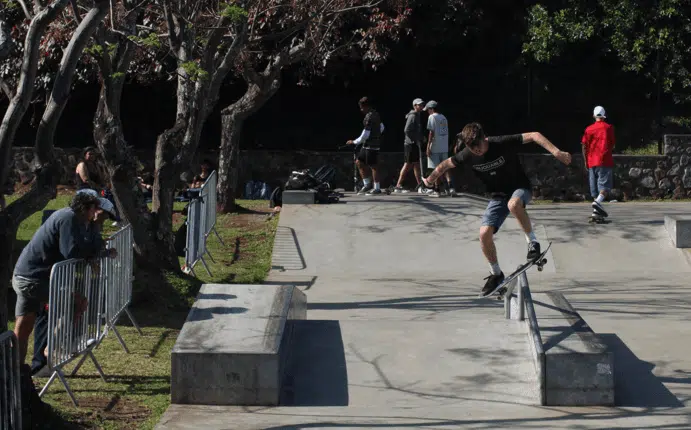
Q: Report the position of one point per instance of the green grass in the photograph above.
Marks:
(137, 391)
(650, 149)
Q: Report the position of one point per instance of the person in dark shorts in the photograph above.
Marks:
(369, 152)
(411, 147)
(597, 145)
(68, 233)
(495, 161)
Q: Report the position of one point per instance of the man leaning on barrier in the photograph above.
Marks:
(71, 232)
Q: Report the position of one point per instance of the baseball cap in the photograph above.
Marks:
(107, 206)
(431, 104)
(417, 101)
(599, 112)
(88, 191)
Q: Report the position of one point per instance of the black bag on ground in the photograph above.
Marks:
(305, 180)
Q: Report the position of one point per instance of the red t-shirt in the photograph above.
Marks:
(598, 141)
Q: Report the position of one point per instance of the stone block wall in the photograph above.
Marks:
(662, 176)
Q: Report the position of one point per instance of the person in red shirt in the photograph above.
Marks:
(598, 143)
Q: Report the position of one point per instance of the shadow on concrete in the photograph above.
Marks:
(635, 383)
(208, 313)
(287, 254)
(432, 303)
(305, 283)
(317, 374)
(216, 296)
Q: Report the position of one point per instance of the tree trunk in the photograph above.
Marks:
(19, 210)
(231, 129)
(232, 120)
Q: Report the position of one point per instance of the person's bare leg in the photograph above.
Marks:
(516, 208)
(362, 167)
(23, 327)
(375, 177)
(487, 244)
(418, 174)
(401, 176)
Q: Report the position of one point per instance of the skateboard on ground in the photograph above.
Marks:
(598, 219)
(540, 262)
(598, 216)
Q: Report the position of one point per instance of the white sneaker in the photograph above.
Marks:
(452, 192)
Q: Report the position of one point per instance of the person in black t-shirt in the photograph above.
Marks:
(495, 161)
(371, 141)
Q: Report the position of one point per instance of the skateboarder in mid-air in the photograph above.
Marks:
(495, 161)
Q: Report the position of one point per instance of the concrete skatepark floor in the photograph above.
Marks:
(397, 338)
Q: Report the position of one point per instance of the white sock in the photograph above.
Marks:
(600, 198)
(530, 237)
(376, 185)
(366, 181)
(494, 267)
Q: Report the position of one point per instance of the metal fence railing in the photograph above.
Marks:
(10, 397)
(74, 317)
(201, 222)
(119, 273)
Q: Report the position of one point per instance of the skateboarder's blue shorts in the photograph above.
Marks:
(498, 208)
(600, 180)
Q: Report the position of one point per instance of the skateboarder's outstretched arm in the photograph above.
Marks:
(442, 168)
(541, 140)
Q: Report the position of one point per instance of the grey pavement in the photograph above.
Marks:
(396, 336)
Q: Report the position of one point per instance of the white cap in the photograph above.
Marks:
(107, 206)
(599, 112)
(417, 101)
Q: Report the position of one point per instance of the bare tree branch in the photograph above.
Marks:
(25, 9)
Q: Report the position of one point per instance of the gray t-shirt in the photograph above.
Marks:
(62, 237)
(440, 126)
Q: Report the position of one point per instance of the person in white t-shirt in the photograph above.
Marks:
(438, 145)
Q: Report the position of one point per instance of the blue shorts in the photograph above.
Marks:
(601, 179)
(436, 158)
(498, 209)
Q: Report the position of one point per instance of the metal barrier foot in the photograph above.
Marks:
(205, 266)
(97, 365)
(218, 236)
(117, 334)
(134, 322)
(61, 376)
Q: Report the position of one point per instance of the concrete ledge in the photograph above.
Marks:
(579, 368)
(679, 229)
(234, 344)
(299, 197)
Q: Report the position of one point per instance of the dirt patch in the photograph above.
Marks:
(254, 219)
(127, 413)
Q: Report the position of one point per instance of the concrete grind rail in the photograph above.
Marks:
(397, 338)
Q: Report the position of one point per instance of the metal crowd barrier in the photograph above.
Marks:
(11, 397)
(74, 317)
(119, 274)
(209, 189)
(201, 221)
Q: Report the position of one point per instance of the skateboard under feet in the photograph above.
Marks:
(540, 262)
(598, 219)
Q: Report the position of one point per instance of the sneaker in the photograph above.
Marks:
(533, 250)
(434, 193)
(597, 207)
(374, 191)
(421, 189)
(365, 189)
(400, 190)
(493, 281)
(452, 192)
